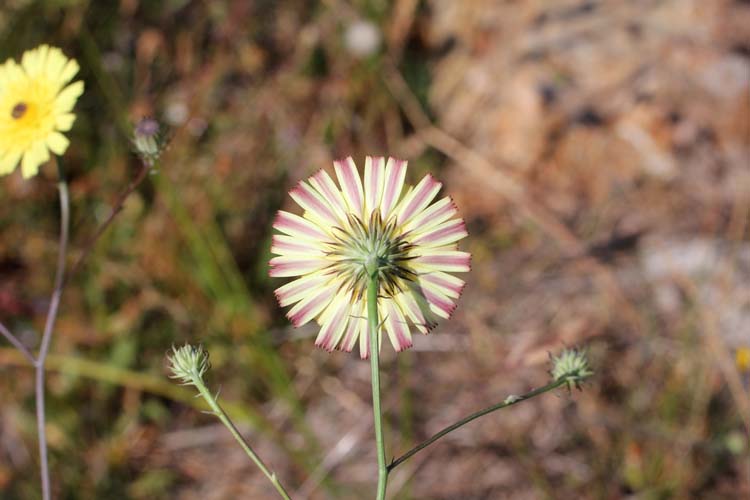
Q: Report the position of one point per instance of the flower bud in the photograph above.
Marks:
(572, 366)
(188, 363)
(147, 140)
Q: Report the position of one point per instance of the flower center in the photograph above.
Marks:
(19, 110)
(378, 246)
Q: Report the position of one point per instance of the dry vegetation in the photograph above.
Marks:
(599, 152)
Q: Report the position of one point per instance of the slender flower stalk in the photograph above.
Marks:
(570, 368)
(47, 335)
(188, 364)
(374, 334)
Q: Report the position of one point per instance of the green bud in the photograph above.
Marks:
(572, 366)
(188, 363)
(147, 140)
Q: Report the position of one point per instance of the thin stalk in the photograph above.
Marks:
(219, 412)
(372, 318)
(47, 335)
(510, 401)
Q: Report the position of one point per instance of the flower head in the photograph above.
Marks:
(35, 107)
(371, 223)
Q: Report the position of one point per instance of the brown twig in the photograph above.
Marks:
(116, 209)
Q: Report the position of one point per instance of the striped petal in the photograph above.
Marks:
(433, 215)
(353, 327)
(351, 185)
(439, 303)
(334, 324)
(443, 260)
(323, 183)
(442, 234)
(294, 265)
(296, 290)
(374, 178)
(410, 307)
(289, 245)
(418, 199)
(396, 327)
(395, 173)
(311, 305)
(299, 227)
(316, 207)
(447, 284)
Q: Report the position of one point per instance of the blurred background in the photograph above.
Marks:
(598, 150)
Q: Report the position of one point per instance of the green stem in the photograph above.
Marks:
(219, 412)
(372, 318)
(510, 401)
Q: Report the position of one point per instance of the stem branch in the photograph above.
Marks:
(508, 402)
(17, 344)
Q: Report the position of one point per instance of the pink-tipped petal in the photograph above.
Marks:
(323, 183)
(397, 327)
(364, 340)
(296, 290)
(446, 283)
(288, 245)
(286, 265)
(351, 184)
(439, 303)
(442, 234)
(316, 207)
(312, 305)
(395, 173)
(299, 227)
(374, 177)
(418, 199)
(431, 216)
(333, 327)
(443, 260)
(410, 308)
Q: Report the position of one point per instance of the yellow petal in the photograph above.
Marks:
(8, 162)
(69, 71)
(67, 98)
(57, 143)
(55, 63)
(34, 157)
(64, 122)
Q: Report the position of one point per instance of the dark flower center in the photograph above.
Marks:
(19, 110)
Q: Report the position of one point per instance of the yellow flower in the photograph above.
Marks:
(35, 107)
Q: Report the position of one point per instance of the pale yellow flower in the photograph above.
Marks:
(414, 242)
(35, 107)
